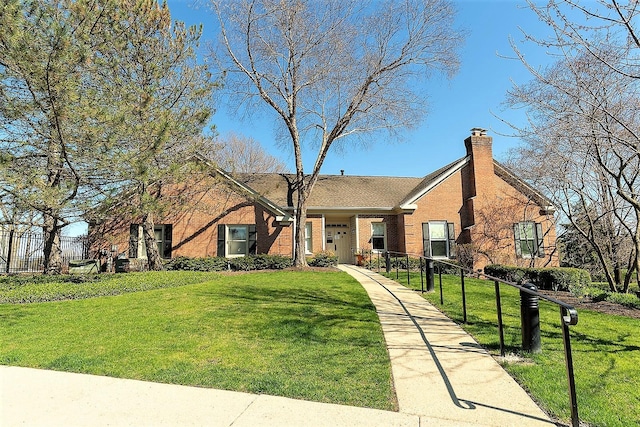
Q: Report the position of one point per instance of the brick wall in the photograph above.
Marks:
(443, 203)
(483, 209)
(317, 236)
(365, 230)
(195, 225)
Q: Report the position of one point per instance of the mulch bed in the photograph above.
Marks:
(600, 306)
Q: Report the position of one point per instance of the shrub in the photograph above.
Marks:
(447, 268)
(627, 300)
(271, 262)
(552, 278)
(198, 264)
(401, 263)
(414, 264)
(245, 263)
(323, 259)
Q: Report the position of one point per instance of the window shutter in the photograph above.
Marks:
(516, 233)
(451, 235)
(540, 240)
(168, 231)
(253, 237)
(426, 241)
(133, 241)
(221, 240)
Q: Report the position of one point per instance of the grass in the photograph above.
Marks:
(41, 288)
(307, 335)
(606, 351)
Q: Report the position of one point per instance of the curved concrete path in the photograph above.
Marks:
(440, 372)
(442, 378)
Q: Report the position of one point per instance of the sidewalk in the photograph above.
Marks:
(441, 376)
(439, 371)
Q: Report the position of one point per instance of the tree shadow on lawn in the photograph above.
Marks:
(306, 314)
(554, 338)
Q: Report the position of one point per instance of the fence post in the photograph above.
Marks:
(9, 251)
(430, 278)
(408, 272)
(530, 319)
(464, 297)
(440, 279)
(387, 260)
(421, 276)
(499, 309)
(566, 337)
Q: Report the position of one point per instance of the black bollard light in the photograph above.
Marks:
(430, 280)
(530, 319)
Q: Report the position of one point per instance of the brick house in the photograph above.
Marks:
(472, 209)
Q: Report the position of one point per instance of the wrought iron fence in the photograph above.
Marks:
(23, 252)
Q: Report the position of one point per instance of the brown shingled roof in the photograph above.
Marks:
(366, 192)
(334, 191)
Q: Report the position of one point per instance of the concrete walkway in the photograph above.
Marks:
(439, 371)
(441, 376)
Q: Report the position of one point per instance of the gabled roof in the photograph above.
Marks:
(517, 183)
(431, 181)
(334, 191)
(277, 192)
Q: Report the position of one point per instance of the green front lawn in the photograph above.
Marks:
(308, 335)
(606, 351)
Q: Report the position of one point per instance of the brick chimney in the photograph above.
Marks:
(478, 146)
(478, 179)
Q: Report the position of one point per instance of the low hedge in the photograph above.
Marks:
(323, 259)
(400, 263)
(197, 264)
(245, 263)
(550, 278)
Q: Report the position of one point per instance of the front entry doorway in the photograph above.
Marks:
(338, 240)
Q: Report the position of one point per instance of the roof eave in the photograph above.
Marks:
(281, 215)
(413, 198)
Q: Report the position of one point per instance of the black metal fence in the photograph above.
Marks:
(429, 268)
(23, 252)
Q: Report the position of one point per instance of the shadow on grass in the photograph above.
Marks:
(310, 314)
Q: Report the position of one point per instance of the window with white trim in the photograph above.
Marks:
(528, 239)
(438, 239)
(308, 228)
(379, 236)
(236, 240)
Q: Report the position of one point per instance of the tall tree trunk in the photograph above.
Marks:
(299, 259)
(52, 249)
(148, 231)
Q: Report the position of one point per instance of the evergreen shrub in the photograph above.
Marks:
(549, 278)
(323, 259)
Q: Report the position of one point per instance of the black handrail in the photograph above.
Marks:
(568, 314)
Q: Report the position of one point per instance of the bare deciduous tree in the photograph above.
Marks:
(240, 154)
(334, 69)
(583, 135)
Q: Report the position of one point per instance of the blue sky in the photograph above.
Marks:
(473, 98)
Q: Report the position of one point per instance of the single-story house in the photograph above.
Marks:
(473, 209)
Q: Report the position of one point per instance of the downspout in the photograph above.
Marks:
(324, 234)
(293, 235)
(357, 233)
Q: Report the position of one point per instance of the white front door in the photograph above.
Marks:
(339, 241)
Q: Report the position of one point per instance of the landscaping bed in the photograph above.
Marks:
(588, 303)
